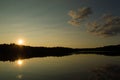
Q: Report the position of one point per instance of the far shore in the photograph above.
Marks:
(12, 52)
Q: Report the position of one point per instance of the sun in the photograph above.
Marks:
(20, 42)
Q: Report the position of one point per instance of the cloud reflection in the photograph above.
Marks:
(107, 72)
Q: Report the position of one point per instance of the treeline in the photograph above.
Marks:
(13, 52)
(111, 50)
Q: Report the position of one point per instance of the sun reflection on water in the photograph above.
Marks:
(19, 76)
(20, 62)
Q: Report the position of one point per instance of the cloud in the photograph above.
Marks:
(79, 15)
(74, 22)
(107, 26)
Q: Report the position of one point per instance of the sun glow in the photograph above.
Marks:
(20, 42)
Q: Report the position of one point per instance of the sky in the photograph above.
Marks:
(67, 23)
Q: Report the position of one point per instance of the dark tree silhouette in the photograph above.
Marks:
(13, 52)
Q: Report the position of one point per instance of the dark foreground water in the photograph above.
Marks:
(74, 67)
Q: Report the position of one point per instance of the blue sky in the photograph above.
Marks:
(45, 22)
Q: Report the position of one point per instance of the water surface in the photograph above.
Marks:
(73, 67)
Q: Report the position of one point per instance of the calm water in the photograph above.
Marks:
(74, 67)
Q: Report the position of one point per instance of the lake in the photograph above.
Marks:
(72, 67)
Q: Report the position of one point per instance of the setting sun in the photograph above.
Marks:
(20, 42)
